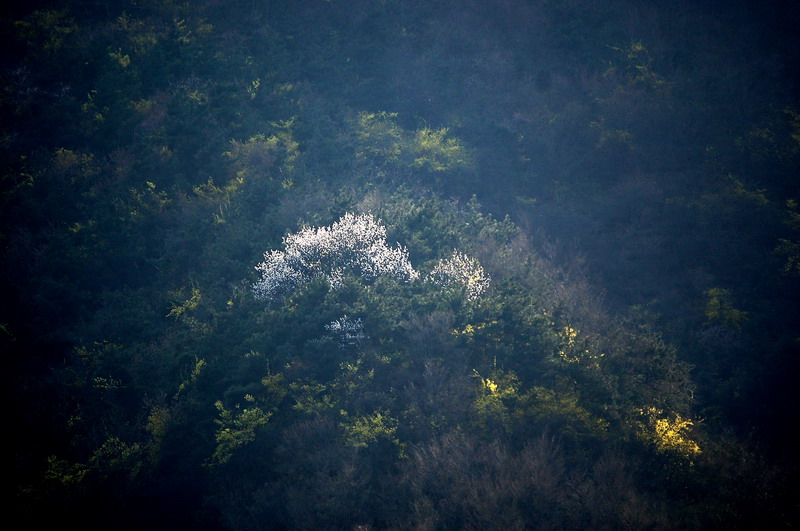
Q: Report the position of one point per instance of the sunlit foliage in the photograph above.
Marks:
(576, 349)
(236, 429)
(719, 308)
(381, 140)
(363, 431)
(669, 433)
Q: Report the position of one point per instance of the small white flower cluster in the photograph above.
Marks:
(463, 270)
(348, 331)
(355, 242)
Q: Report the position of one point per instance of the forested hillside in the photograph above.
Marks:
(400, 264)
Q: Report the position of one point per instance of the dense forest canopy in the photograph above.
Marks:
(400, 264)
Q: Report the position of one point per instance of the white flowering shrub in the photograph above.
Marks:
(461, 270)
(346, 331)
(355, 243)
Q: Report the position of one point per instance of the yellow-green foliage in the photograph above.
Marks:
(274, 388)
(157, 424)
(219, 198)
(147, 201)
(310, 397)
(470, 329)
(380, 138)
(491, 406)
(754, 197)
(236, 429)
(189, 304)
(47, 30)
(123, 59)
(719, 309)
(117, 455)
(184, 308)
(502, 384)
(634, 65)
(353, 376)
(65, 473)
(794, 123)
(611, 136)
(789, 248)
(668, 433)
(198, 368)
(141, 35)
(561, 408)
(259, 155)
(432, 150)
(575, 349)
(363, 431)
(158, 421)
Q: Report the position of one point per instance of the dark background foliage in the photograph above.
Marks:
(626, 173)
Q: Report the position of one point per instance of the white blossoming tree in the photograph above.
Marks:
(348, 331)
(355, 243)
(461, 270)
